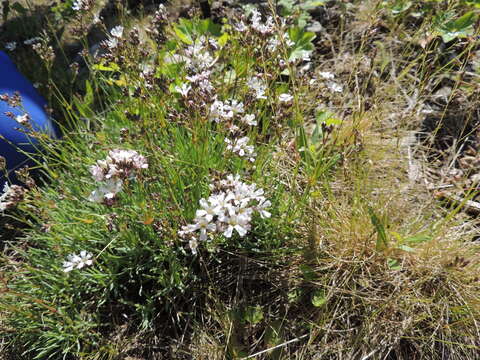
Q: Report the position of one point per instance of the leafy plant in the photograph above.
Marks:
(450, 28)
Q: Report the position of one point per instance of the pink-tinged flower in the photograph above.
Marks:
(107, 191)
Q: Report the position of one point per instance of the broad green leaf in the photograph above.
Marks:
(253, 315)
(111, 67)
(187, 30)
(184, 31)
(302, 42)
(318, 298)
(400, 7)
(393, 264)
(223, 39)
(208, 27)
(310, 5)
(465, 21)
(307, 272)
(475, 3)
(459, 28)
(382, 240)
(19, 8)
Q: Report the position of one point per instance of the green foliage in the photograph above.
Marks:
(450, 28)
(299, 9)
(143, 272)
(188, 30)
(302, 42)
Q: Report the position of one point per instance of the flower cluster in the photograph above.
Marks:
(116, 34)
(226, 111)
(11, 46)
(274, 42)
(331, 85)
(117, 167)
(77, 261)
(264, 28)
(82, 5)
(259, 86)
(11, 196)
(230, 208)
(198, 56)
(241, 147)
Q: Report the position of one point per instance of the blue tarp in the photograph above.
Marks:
(13, 141)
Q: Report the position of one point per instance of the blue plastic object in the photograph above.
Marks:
(13, 143)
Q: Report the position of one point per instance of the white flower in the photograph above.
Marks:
(77, 261)
(288, 41)
(213, 43)
(220, 202)
(204, 75)
(273, 44)
(111, 43)
(11, 196)
(333, 86)
(327, 75)
(117, 31)
(257, 85)
(128, 158)
(79, 5)
(240, 147)
(285, 98)
(32, 41)
(208, 210)
(10, 46)
(236, 106)
(4, 196)
(249, 119)
(235, 222)
(204, 225)
(193, 245)
(306, 55)
(183, 89)
(220, 111)
(198, 57)
(240, 27)
(231, 181)
(22, 119)
(106, 191)
(262, 205)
